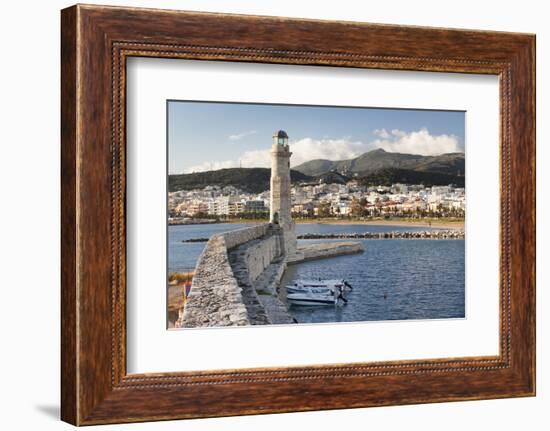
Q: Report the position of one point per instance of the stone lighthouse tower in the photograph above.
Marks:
(280, 205)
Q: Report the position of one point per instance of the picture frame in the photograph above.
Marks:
(96, 42)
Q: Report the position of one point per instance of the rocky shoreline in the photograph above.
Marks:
(435, 234)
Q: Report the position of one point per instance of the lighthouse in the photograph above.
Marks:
(280, 202)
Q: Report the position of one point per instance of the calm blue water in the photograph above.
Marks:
(184, 256)
(393, 279)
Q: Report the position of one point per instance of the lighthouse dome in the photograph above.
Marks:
(280, 138)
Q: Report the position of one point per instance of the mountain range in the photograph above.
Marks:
(372, 161)
(251, 180)
(376, 167)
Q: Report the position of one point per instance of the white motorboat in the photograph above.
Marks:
(318, 286)
(317, 296)
(308, 289)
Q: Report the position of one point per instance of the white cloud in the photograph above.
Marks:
(306, 149)
(248, 159)
(303, 150)
(239, 136)
(211, 166)
(383, 133)
(256, 159)
(398, 133)
(419, 142)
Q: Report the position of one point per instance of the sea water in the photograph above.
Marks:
(393, 279)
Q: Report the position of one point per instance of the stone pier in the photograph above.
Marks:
(237, 276)
(325, 250)
(236, 280)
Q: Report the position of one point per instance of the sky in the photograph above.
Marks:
(211, 135)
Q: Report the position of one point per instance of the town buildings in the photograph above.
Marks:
(322, 200)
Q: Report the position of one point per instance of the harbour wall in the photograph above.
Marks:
(433, 234)
(217, 297)
(428, 234)
(259, 253)
(326, 250)
(238, 273)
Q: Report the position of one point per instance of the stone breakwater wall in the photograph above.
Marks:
(260, 253)
(258, 266)
(326, 250)
(240, 236)
(237, 276)
(216, 299)
(434, 234)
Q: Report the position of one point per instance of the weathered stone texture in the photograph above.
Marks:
(215, 298)
(260, 254)
(232, 269)
(237, 276)
(240, 236)
(280, 192)
(267, 286)
(325, 250)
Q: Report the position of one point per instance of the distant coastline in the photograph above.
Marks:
(428, 223)
(433, 223)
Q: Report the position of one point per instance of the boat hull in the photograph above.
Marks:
(311, 302)
(300, 289)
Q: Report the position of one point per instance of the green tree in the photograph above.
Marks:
(324, 209)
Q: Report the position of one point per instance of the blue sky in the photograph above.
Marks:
(204, 135)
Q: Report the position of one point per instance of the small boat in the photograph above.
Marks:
(318, 286)
(316, 296)
(309, 289)
(323, 283)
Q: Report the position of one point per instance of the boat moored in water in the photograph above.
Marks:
(317, 296)
(318, 286)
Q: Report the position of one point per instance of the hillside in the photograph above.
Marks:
(331, 178)
(377, 167)
(316, 167)
(452, 163)
(372, 161)
(251, 180)
(389, 176)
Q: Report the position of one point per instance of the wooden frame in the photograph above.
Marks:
(96, 41)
